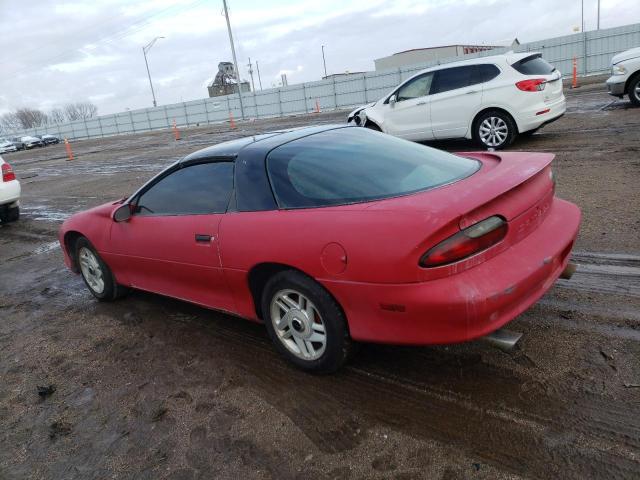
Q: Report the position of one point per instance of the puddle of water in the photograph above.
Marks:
(43, 213)
(47, 247)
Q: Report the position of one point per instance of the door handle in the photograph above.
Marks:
(472, 91)
(421, 103)
(203, 238)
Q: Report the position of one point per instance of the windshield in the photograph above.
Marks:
(351, 165)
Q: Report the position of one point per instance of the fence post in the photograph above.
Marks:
(335, 95)
(584, 54)
(364, 87)
(133, 125)
(304, 94)
(166, 116)
(280, 102)
(100, 125)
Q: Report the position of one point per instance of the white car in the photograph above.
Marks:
(625, 75)
(9, 194)
(7, 146)
(490, 100)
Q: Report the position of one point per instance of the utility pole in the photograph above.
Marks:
(145, 49)
(258, 69)
(582, 24)
(324, 62)
(598, 27)
(253, 88)
(235, 61)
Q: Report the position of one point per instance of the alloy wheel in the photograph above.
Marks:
(91, 270)
(493, 131)
(298, 324)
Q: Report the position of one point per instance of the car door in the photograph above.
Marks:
(455, 97)
(170, 243)
(408, 116)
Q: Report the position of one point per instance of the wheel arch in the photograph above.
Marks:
(70, 239)
(259, 275)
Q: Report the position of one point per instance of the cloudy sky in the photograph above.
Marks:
(56, 51)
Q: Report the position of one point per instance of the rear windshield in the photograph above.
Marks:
(351, 165)
(533, 65)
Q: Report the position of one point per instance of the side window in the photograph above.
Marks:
(452, 79)
(192, 190)
(484, 73)
(418, 87)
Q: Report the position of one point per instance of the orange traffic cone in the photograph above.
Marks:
(317, 106)
(231, 122)
(67, 146)
(176, 132)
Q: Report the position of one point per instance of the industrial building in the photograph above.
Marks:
(423, 55)
(225, 81)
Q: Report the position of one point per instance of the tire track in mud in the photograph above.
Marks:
(606, 273)
(575, 436)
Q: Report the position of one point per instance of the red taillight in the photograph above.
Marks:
(535, 85)
(467, 242)
(7, 173)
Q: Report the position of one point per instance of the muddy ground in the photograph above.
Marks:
(149, 387)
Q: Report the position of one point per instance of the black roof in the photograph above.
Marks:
(267, 141)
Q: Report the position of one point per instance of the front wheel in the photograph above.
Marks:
(305, 323)
(96, 274)
(12, 214)
(494, 129)
(634, 91)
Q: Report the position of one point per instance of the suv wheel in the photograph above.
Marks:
(494, 129)
(634, 90)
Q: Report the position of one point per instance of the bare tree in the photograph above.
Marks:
(31, 117)
(80, 110)
(9, 122)
(56, 115)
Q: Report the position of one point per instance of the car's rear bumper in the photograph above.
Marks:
(532, 118)
(469, 304)
(9, 192)
(616, 84)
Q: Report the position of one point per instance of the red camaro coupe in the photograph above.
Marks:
(337, 234)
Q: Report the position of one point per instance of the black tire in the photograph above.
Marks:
(10, 215)
(338, 347)
(111, 290)
(504, 119)
(634, 90)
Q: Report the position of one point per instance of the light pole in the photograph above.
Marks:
(235, 61)
(324, 62)
(145, 49)
(259, 81)
(598, 27)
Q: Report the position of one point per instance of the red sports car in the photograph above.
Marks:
(335, 234)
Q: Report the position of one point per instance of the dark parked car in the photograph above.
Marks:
(49, 139)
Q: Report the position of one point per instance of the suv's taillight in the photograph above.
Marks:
(7, 173)
(467, 242)
(534, 85)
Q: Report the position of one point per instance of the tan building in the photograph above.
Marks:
(422, 55)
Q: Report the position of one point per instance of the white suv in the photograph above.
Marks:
(625, 75)
(490, 99)
(9, 194)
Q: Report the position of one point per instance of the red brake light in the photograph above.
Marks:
(467, 242)
(7, 173)
(534, 85)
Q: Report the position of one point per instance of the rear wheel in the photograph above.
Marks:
(305, 323)
(494, 129)
(634, 90)
(96, 274)
(11, 214)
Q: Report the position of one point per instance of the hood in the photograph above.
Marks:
(627, 55)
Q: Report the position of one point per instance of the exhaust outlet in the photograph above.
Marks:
(503, 339)
(569, 270)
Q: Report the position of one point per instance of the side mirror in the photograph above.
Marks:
(122, 213)
(392, 100)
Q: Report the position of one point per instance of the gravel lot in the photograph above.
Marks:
(149, 387)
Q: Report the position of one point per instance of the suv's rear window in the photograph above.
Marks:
(351, 165)
(533, 65)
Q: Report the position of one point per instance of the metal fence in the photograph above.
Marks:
(593, 51)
